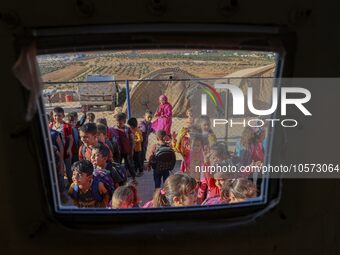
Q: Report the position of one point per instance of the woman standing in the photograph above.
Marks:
(163, 116)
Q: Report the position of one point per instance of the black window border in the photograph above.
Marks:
(151, 36)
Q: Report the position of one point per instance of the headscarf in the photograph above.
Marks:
(163, 97)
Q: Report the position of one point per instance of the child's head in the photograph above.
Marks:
(259, 133)
(148, 116)
(70, 119)
(247, 136)
(190, 117)
(218, 152)
(189, 113)
(101, 132)
(88, 134)
(179, 190)
(58, 114)
(125, 197)
(101, 121)
(238, 190)
(99, 155)
(90, 117)
(82, 173)
(132, 122)
(221, 178)
(196, 142)
(204, 124)
(161, 136)
(121, 119)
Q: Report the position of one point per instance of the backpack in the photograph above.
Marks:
(118, 173)
(95, 190)
(165, 159)
(54, 135)
(75, 137)
(105, 177)
(83, 151)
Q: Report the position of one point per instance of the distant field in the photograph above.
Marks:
(133, 66)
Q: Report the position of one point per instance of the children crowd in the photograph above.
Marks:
(102, 163)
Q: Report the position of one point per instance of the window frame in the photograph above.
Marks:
(157, 36)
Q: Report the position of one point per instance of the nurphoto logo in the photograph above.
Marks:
(239, 105)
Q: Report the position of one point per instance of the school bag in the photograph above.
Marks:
(105, 177)
(54, 135)
(95, 191)
(83, 151)
(75, 137)
(118, 173)
(165, 159)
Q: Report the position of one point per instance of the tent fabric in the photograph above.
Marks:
(182, 94)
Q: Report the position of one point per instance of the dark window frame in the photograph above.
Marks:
(166, 36)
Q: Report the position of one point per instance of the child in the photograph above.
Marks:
(87, 191)
(105, 136)
(181, 144)
(126, 142)
(239, 190)
(101, 121)
(82, 119)
(138, 139)
(178, 190)
(90, 117)
(257, 147)
(222, 198)
(164, 116)
(145, 127)
(125, 197)
(209, 138)
(72, 119)
(102, 138)
(190, 120)
(243, 147)
(157, 175)
(99, 158)
(65, 131)
(196, 159)
(218, 156)
(88, 135)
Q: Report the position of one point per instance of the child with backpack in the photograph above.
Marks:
(99, 158)
(105, 135)
(87, 191)
(162, 159)
(138, 139)
(88, 136)
(102, 138)
(146, 128)
(125, 197)
(65, 131)
(71, 119)
(126, 142)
